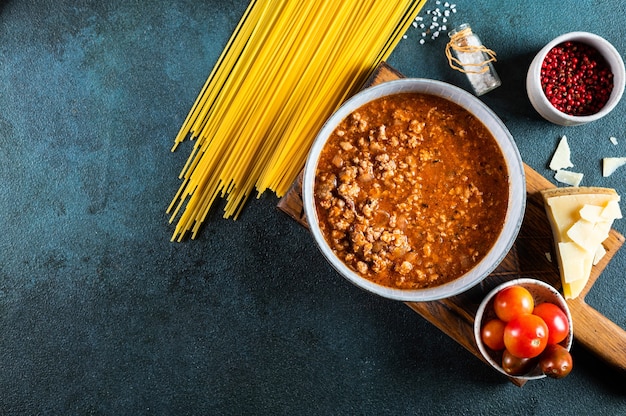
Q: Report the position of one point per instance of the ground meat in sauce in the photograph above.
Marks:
(411, 191)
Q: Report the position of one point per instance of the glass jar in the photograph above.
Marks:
(467, 54)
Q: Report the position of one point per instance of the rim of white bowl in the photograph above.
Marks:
(517, 189)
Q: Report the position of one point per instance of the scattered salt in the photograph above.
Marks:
(431, 28)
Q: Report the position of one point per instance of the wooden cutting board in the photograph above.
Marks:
(529, 257)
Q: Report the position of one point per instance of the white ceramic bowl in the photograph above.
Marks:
(542, 292)
(517, 187)
(538, 98)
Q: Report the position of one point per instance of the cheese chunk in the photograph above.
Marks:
(581, 219)
(569, 178)
(611, 164)
(576, 263)
(600, 252)
(561, 157)
(591, 213)
(611, 211)
(572, 290)
(584, 234)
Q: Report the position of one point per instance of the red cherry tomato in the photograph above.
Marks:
(517, 366)
(556, 361)
(526, 336)
(493, 334)
(513, 301)
(556, 319)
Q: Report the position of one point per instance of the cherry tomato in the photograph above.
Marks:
(556, 319)
(513, 301)
(517, 366)
(493, 334)
(526, 336)
(556, 361)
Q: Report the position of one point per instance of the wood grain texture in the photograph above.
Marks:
(529, 257)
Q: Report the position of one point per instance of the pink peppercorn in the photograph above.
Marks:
(576, 79)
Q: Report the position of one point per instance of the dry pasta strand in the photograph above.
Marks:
(285, 69)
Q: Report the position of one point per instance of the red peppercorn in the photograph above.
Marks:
(576, 79)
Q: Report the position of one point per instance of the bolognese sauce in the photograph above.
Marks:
(411, 191)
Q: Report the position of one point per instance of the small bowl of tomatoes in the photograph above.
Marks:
(523, 328)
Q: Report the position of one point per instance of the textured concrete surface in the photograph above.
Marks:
(101, 314)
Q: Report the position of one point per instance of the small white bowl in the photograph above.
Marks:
(542, 292)
(517, 188)
(538, 98)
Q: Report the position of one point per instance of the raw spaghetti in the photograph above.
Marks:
(287, 66)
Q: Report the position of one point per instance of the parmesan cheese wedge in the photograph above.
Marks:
(581, 219)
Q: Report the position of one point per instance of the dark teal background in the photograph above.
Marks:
(101, 314)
